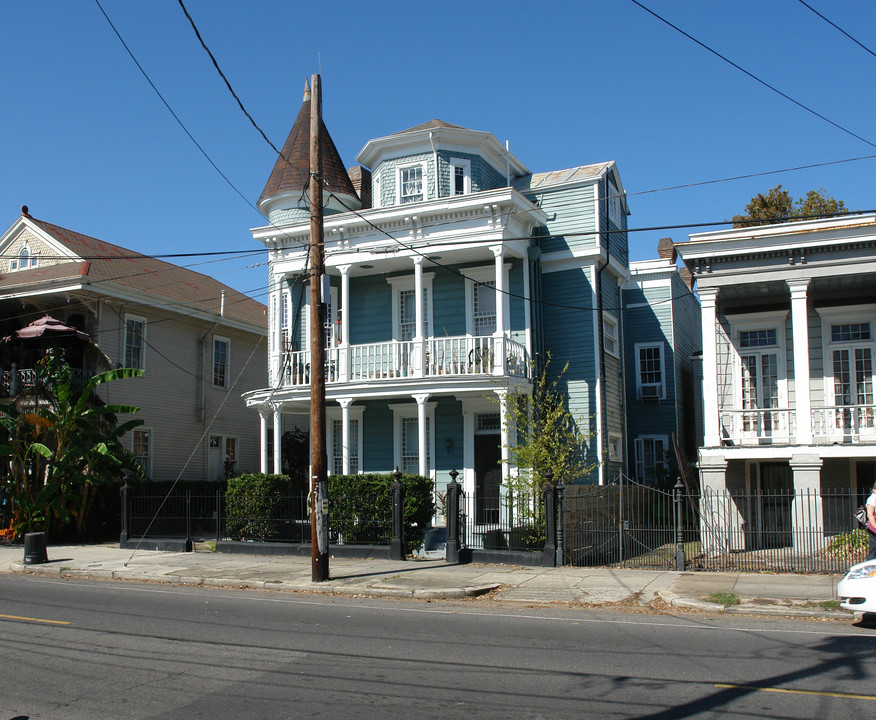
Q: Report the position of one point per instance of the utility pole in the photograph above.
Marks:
(318, 459)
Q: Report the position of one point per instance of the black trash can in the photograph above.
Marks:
(35, 549)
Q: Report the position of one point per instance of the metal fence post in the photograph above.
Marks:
(126, 515)
(218, 515)
(679, 529)
(561, 523)
(189, 544)
(550, 518)
(397, 543)
(451, 554)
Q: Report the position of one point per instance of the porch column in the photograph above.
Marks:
(800, 334)
(344, 351)
(263, 440)
(345, 434)
(276, 329)
(278, 438)
(527, 310)
(501, 320)
(503, 434)
(421, 434)
(419, 333)
(721, 524)
(711, 419)
(807, 513)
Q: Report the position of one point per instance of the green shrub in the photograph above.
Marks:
(851, 546)
(252, 504)
(360, 507)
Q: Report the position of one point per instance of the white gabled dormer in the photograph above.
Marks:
(436, 160)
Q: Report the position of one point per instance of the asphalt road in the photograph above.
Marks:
(96, 650)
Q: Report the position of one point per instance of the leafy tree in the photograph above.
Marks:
(777, 206)
(548, 436)
(61, 442)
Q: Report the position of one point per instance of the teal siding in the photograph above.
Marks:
(370, 310)
(483, 175)
(569, 210)
(448, 303)
(377, 438)
(448, 426)
(687, 339)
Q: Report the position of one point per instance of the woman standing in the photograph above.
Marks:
(871, 523)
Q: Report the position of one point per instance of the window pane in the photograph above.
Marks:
(485, 308)
(220, 363)
(649, 366)
(134, 343)
(757, 338)
(412, 184)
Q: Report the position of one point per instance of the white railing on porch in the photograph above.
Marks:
(830, 424)
(394, 359)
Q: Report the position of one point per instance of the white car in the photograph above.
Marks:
(857, 590)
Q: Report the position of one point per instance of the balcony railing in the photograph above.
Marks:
(14, 381)
(830, 424)
(394, 359)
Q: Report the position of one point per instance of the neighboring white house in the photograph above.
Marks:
(200, 342)
(789, 336)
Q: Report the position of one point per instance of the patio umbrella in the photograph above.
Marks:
(46, 326)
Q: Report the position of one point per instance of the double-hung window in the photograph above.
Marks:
(484, 310)
(141, 447)
(852, 360)
(411, 183)
(650, 379)
(221, 359)
(759, 379)
(135, 342)
(610, 338)
(460, 176)
(407, 437)
(651, 457)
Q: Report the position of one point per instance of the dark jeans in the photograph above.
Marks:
(871, 551)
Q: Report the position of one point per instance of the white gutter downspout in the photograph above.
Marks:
(435, 161)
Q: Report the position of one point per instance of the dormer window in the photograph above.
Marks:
(460, 177)
(25, 260)
(411, 183)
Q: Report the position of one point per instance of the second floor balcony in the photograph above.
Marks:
(395, 361)
(829, 425)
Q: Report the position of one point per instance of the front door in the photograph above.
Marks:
(775, 497)
(488, 478)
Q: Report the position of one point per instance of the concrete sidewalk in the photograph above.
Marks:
(785, 594)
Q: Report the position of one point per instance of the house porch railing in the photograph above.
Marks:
(830, 424)
(394, 359)
(15, 380)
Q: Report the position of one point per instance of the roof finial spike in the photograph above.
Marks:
(306, 91)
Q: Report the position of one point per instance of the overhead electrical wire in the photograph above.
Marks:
(753, 76)
(837, 27)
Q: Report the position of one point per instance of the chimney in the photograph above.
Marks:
(361, 179)
(666, 249)
(686, 277)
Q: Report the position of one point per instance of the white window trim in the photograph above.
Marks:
(747, 322)
(486, 273)
(640, 447)
(135, 318)
(615, 204)
(357, 412)
(403, 283)
(150, 468)
(406, 411)
(32, 260)
(376, 185)
(398, 181)
(610, 320)
(466, 166)
(615, 445)
(661, 388)
(842, 315)
(227, 342)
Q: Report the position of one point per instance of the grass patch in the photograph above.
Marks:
(830, 605)
(724, 598)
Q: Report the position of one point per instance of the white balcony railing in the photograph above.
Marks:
(830, 424)
(395, 360)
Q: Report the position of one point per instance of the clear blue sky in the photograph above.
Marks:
(88, 145)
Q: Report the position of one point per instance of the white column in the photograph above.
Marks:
(711, 424)
(800, 333)
(263, 440)
(808, 514)
(419, 333)
(345, 324)
(277, 329)
(527, 310)
(721, 525)
(345, 434)
(278, 438)
(421, 433)
(503, 411)
(501, 320)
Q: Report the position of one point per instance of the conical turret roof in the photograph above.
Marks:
(292, 168)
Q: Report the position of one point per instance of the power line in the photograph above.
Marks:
(753, 76)
(833, 24)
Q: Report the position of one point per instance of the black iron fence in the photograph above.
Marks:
(502, 522)
(626, 524)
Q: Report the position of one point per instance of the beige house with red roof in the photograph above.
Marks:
(200, 342)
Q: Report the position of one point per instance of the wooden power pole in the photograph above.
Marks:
(318, 456)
